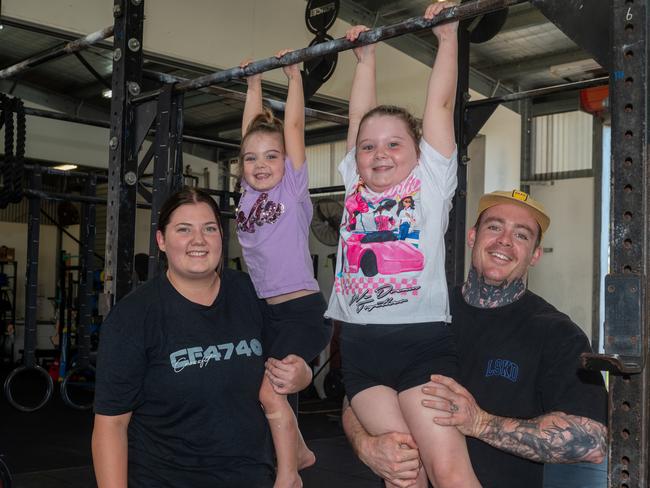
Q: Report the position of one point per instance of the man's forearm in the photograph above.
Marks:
(552, 438)
(353, 428)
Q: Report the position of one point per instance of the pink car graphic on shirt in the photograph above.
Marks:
(385, 255)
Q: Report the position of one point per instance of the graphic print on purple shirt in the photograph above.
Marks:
(262, 212)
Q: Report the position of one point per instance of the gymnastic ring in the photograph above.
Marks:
(5, 474)
(16, 372)
(64, 388)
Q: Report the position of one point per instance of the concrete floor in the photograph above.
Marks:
(336, 466)
(50, 448)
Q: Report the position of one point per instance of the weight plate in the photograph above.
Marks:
(321, 69)
(489, 26)
(320, 15)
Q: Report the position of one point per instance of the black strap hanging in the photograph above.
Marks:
(6, 168)
(18, 163)
(12, 166)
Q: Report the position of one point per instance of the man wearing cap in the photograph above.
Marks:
(524, 399)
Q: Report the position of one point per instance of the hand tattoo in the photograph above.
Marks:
(478, 293)
(551, 438)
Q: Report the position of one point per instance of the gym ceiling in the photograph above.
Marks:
(528, 52)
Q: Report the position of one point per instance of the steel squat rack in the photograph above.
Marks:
(616, 36)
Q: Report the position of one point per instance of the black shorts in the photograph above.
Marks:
(298, 327)
(400, 356)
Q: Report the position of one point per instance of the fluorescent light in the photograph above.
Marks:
(581, 69)
(107, 93)
(65, 167)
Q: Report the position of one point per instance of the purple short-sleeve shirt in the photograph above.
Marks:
(273, 231)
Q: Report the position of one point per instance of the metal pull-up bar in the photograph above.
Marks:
(222, 92)
(57, 52)
(538, 92)
(458, 12)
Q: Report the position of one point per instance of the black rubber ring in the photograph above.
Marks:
(64, 388)
(48, 392)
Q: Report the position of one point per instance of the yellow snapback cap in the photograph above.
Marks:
(519, 198)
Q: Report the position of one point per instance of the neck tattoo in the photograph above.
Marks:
(478, 293)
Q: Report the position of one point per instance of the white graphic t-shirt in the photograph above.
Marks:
(390, 266)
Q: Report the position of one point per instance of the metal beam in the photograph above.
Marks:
(478, 112)
(54, 100)
(626, 308)
(539, 92)
(49, 114)
(57, 52)
(414, 24)
(174, 63)
(89, 67)
(69, 197)
(508, 71)
(418, 48)
(523, 17)
(556, 105)
(594, 35)
(123, 154)
(325, 135)
(227, 93)
(49, 31)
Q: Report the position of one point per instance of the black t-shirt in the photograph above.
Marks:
(522, 361)
(190, 374)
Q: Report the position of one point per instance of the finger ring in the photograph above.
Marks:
(453, 408)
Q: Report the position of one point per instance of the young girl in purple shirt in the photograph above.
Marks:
(273, 220)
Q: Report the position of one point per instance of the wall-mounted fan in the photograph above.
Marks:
(326, 221)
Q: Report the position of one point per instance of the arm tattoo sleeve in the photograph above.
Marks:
(552, 438)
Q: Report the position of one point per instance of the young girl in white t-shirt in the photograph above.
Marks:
(390, 290)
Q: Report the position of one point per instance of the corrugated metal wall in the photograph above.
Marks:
(323, 159)
(19, 212)
(562, 143)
